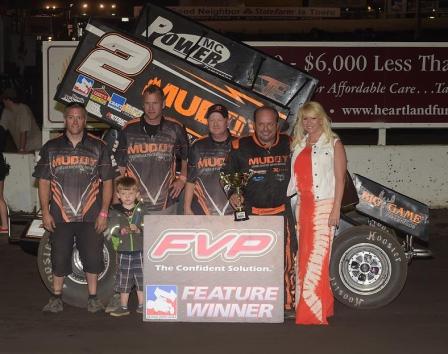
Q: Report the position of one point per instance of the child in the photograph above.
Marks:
(127, 239)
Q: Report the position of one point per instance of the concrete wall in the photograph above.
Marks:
(418, 171)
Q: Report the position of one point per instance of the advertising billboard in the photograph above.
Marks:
(374, 84)
(213, 269)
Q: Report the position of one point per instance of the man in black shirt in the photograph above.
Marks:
(148, 149)
(267, 154)
(75, 189)
(204, 194)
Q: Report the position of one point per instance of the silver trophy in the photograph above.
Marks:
(237, 181)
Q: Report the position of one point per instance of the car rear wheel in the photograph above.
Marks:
(368, 267)
(75, 285)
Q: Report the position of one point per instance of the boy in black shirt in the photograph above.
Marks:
(127, 239)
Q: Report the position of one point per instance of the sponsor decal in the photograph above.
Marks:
(280, 177)
(83, 85)
(179, 96)
(117, 102)
(271, 87)
(73, 98)
(99, 95)
(200, 50)
(161, 302)
(229, 244)
(94, 108)
(390, 208)
(120, 121)
(131, 111)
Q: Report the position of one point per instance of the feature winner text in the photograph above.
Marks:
(230, 301)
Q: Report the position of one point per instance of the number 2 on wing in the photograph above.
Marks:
(115, 61)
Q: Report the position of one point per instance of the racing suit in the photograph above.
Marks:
(265, 193)
(151, 159)
(205, 160)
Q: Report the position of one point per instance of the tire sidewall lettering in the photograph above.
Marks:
(390, 247)
(375, 237)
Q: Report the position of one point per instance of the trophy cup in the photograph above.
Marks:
(237, 181)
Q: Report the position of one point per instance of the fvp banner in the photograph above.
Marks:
(213, 269)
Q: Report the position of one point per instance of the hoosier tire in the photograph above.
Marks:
(75, 285)
(368, 267)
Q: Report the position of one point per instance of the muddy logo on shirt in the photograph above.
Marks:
(63, 160)
(149, 148)
(210, 162)
(268, 160)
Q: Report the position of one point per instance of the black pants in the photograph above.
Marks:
(88, 242)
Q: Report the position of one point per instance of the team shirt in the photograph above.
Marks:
(271, 167)
(205, 159)
(151, 158)
(75, 174)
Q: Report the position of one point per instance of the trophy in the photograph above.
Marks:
(237, 181)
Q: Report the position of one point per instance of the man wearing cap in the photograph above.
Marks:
(267, 154)
(204, 194)
(18, 119)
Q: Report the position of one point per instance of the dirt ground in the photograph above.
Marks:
(417, 322)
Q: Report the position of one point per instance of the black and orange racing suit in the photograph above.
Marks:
(205, 160)
(75, 174)
(151, 159)
(265, 193)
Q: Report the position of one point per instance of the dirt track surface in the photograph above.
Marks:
(417, 322)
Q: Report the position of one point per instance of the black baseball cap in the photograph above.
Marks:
(217, 108)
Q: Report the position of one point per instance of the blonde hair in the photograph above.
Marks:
(315, 109)
(126, 183)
